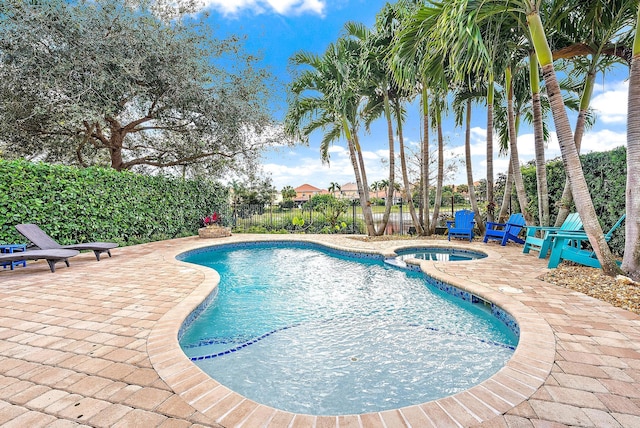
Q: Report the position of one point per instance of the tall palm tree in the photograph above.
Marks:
(513, 149)
(570, 158)
(379, 88)
(592, 40)
(488, 54)
(529, 15)
(462, 107)
(631, 260)
(438, 106)
(541, 168)
(420, 62)
(326, 96)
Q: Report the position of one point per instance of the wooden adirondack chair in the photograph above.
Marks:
(568, 246)
(504, 232)
(462, 225)
(542, 243)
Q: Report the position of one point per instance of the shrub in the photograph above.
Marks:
(98, 204)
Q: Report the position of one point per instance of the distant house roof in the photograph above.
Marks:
(307, 188)
(349, 187)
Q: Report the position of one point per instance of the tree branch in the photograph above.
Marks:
(147, 160)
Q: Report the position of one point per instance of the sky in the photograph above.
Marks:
(276, 29)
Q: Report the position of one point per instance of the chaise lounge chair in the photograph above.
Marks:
(462, 225)
(52, 256)
(43, 241)
(505, 232)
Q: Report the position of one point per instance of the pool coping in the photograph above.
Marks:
(515, 383)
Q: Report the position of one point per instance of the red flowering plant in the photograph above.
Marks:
(212, 220)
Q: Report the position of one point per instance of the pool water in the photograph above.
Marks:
(441, 254)
(308, 331)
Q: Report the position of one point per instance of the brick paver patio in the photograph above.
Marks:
(95, 345)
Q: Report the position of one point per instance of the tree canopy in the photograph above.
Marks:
(114, 82)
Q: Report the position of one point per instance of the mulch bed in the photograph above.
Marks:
(593, 282)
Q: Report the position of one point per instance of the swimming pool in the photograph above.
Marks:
(307, 330)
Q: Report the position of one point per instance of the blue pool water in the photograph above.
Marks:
(310, 331)
(440, 254)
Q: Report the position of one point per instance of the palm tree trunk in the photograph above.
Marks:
(405, 175)
(367, 212)
(490, 198)
(467, 155)
(363, 193)
(585, 100)
(392, 167)
(513, 149)
(570, 158)
(631, 260)
(506, 198)
(440, 178)
(425, 159)
(541, 167)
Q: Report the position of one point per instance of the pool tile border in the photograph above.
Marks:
(525, 372)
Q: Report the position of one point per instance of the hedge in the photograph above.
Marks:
(98, 204)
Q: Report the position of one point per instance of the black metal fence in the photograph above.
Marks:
(309, 219)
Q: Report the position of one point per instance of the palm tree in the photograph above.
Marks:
(334, 187)
(570, 158)
(513, 149)
(288, 192)
(462, 107)
(597, 39)
(631, 260)
(538, 132)
(412, 62)
(438, 107)
(528, 14)
(379, 89)
(508, 124)
(327, 97)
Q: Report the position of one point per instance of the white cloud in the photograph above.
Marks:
(478, 143)
(282, 7)
(593, 141)
(610, 103)
(307, 167)
(601, 141)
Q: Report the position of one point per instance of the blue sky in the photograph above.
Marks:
(276, 29)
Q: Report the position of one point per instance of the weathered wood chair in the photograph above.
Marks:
(462, 225)
(542, 243)
(568, 246)
(505, 232)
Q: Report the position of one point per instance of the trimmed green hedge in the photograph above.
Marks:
(606, 175)
(97, 204)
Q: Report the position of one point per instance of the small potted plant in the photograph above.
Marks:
(213, 227)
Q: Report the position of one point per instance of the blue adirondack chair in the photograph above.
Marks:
(542, 243)
(462, 225)
(504, 232)
(568, 246)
